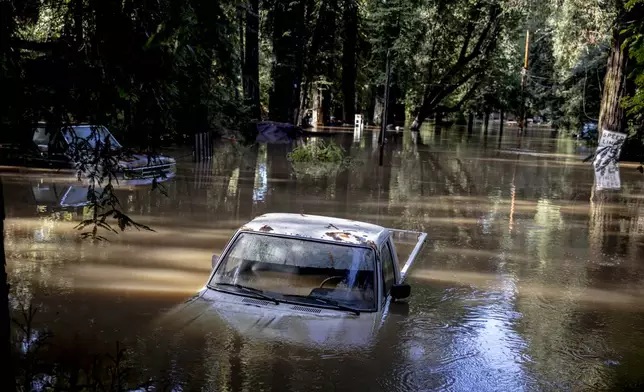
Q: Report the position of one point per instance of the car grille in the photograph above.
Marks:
(255, 301)
(145, 172)
(306, 309)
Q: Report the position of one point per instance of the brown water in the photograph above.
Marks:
(525, 283)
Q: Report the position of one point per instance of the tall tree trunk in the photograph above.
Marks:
(326, 106)
(349, 47)
(470, 123)
(378, 107)
(486, 123)
(395, 111)
(8, 380)
(288, 44)
(501, 120)
(251, 59)
(438, 119)
(329, 60)
(78, 23)
(312, 63)
(420, 117)
(611, 114)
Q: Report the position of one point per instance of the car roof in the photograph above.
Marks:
(42, 124)
(326, 228)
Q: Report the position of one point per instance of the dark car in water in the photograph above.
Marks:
(63, 149)
(588, 131)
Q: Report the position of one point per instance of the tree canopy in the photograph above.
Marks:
(147, 69)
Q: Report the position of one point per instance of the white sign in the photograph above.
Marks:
(606, 158)
(357, 128)
(358, 123)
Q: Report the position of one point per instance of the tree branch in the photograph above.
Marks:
(48, 46)
(495, 11)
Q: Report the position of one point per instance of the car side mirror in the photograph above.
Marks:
(215, 259)
(400, 291)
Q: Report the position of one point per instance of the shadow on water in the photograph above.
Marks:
(525, 283)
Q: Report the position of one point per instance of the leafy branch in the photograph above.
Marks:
(98, 161)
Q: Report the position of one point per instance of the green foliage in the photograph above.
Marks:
(634, 104)
(576, 27)
(441, 50)
(143, 69)
(319, 158)
(579, 95)
(265, 56)
(317, 151)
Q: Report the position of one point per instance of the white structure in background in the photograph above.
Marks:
(359, 122)
(358, 127)
(605, 161)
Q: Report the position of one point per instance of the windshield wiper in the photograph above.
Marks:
(336, 304)
(251, 290)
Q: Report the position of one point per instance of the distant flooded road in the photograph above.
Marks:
(525, 284)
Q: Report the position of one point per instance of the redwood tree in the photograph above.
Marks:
(349, 47)
(611, 115)
(251, 59)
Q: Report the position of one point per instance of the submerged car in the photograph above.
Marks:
(60, 150)
(589, 131)
(305, 279)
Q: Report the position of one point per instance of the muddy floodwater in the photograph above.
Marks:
(527, 282)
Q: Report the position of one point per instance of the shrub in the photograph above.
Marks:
(319, 158)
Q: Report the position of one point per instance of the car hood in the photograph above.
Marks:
(259, 319)
(135, 161)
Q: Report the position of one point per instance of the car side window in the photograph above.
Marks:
(388, 272)
(41, 137)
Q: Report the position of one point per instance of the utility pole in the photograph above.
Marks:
(524, 79)
(381, 138)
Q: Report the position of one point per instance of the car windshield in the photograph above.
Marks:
(300, 270)
(91, 134)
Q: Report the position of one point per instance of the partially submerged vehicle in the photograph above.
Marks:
(60, 149)
(275, 132)
(588, 131)
(307, 279)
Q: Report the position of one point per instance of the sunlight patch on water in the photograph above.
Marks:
(137, 279)
(483, 253)
(541, 154)
(387, 219)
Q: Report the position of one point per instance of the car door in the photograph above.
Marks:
(58, 156)
(388, 271)
(388, 278)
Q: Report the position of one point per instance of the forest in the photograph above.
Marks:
(151, 69)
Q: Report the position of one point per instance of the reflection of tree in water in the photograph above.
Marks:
(206, 190)
(570, 333)
(419, 200)
(555, 322)
(38, 240)
(614, 224)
